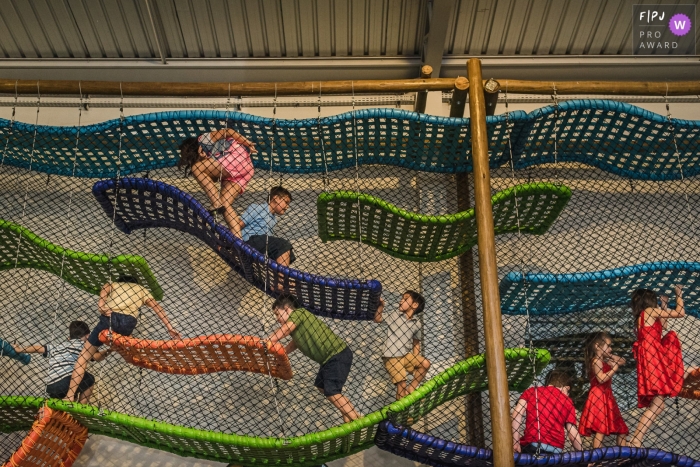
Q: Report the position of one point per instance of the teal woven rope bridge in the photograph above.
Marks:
(417, 237)
(150, 141)
(468, 376)
(549, 294)
(20, 248)
(613, 136)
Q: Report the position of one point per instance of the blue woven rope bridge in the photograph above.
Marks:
(144, 203)
(437, 452)
(613, 136)
(549, 294)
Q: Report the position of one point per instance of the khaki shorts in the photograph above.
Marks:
(400, 367)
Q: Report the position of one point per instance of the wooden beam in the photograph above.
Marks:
(618, 88)
(116, 88)
(488, 271)
(426, 72)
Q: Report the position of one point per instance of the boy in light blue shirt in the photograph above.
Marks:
(259, 220)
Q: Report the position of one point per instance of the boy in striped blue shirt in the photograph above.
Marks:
(62, 358)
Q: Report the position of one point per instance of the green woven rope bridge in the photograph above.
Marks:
(20, 248)
(467, 376)
(418, 237)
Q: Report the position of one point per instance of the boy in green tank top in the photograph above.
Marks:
(319, 343)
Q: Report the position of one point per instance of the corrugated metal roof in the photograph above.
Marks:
(544, 27)
(211, 28)
(331, 35)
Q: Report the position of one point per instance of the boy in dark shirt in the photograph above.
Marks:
(549, 412)
(319, 343)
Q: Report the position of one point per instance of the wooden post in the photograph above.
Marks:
(422, 96)
(491, 303)
(474, 428)
(491, 88)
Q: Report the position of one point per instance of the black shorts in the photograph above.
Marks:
(533, 447)
(59, 389)
(121, 324)
(332, 375)
(276, 246)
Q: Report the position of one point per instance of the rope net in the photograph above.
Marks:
(190, 270)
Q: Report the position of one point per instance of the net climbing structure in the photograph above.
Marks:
(592, 200)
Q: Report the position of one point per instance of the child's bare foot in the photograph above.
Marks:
(635, 443)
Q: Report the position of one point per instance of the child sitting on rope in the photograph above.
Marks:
(222, 155)
(549, 413)
(317, 342)
(62, 358)
(259, 220)
(119, 305)
(402, 349)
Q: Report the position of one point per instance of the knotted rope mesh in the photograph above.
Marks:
(628, 177)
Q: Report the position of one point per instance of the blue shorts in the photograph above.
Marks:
(121, 324)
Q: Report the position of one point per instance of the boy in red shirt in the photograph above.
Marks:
(546, 433)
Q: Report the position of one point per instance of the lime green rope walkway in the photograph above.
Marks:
(468, 376)
(20, 248)
(418, 237)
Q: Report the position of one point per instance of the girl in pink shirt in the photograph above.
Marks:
(224, 156)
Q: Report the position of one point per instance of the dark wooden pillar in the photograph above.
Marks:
(422, 96)
(473, 412)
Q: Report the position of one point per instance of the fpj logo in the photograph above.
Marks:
(663, 29)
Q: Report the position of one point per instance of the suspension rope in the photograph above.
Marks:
(25, 284)
(556, 122)
(274, 384)
(357, 183)
(31, 163)
(68, 223)
(672, 130)
(531, 347)
(110, 250)
(323, 143)
(11, 129)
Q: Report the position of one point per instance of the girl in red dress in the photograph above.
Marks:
(660, 372)
(601, 415)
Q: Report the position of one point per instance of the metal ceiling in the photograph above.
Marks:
(236, 40)
(211, 28)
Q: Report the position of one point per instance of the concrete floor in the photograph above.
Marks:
(101, 451)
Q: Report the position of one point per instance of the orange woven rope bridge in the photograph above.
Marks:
(691, 386)
(203, 354)
(55, 440)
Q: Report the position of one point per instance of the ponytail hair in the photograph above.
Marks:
(189, 153)
(641, 300)
(593, 341)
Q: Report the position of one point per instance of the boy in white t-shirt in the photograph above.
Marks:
(402, 350)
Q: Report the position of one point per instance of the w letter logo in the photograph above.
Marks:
(679, 24)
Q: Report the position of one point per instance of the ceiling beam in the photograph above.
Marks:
(155, 32)
(434, 46)
(564, 68)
